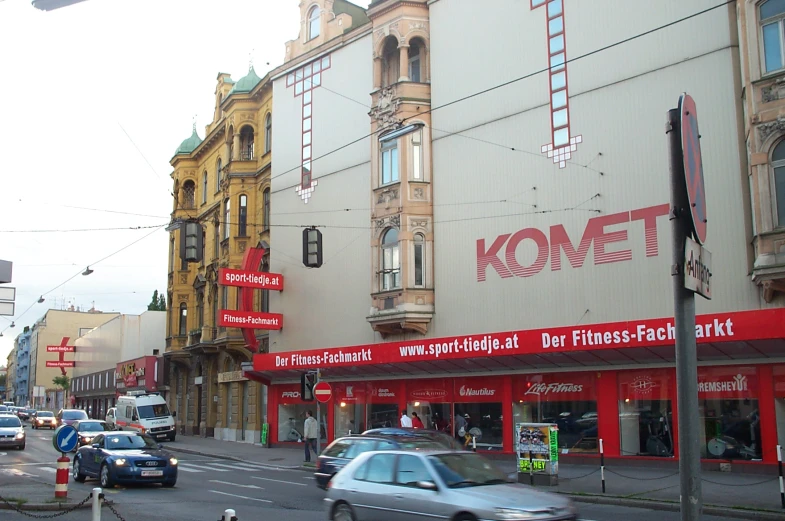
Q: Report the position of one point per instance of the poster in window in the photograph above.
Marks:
(537, 448)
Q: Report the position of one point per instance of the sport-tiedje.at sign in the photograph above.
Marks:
(243, 318)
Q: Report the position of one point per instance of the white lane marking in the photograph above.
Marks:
(309, 477)
(48, 469)
(3, 454)
(17, 472)
(202, 468)
(238, 466)
(180, 467)
(281, 481)
(241, 497)
(235, 484)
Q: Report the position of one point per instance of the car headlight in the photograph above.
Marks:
(172, 461)
(514, 514)
(120, 462)
(20, 435)
(87, 439)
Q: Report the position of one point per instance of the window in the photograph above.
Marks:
(218, 176)
(391, 260)
(414, 62)
(778, 162)
(183, 319)
(266, 209)
(411, 469)
(200, 310)
(224, 297)
(419, 260)
(268, 133)
(313, 23)
(214, 297)
(189, 195)
(417, 155)
(204, 187)
(772, 14)
(646, 413)
(242, 220)
(390, 162)
(377, 469)
(216, 240)
(246, 144)
(227, 222)
(171, 254)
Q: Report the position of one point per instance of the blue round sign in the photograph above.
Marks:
(693, 166)
(65, 439)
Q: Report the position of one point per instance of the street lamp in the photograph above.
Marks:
(41, 299)
(87, 271)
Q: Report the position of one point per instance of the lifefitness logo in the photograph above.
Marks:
(290, 394)
(468, 391)
(544, 389)
(738, 383)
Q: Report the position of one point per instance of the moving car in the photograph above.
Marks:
(89, 429)
(69, 416)
(343, 450)
(12, 432)
(460, 486)
(44, 420)
(25, 414)
(146, 413)
(111, 416)
(125, 458)
(440, 437)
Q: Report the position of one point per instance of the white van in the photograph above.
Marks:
(146, 413)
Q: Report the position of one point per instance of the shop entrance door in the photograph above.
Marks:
(198, 408)
(244, 411)
(434, 415)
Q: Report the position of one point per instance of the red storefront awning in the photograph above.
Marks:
(744, 335)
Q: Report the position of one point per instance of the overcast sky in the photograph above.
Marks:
(96, 97)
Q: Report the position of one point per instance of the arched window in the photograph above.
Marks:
(772, 21)
(218, 175)
(204, 187)
(242, 217)
(391, 59)
(778, 162)
(266, 209)
(183, 325)
(416, 49)
(313, 23)
(419, 260)
(268, 133)
(246, 144)
(391, 260)
(189, 195)
(227, 221)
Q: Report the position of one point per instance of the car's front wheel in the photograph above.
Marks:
(169, 484)
(77, 473)
(343, 512)
(106, 477)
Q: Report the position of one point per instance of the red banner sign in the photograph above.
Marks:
(60, 363)
(722, 327)
(60, 349)
(130, 380)
(250, 319)
(250, 279)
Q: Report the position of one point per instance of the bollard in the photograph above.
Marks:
(602, 466)
(96, 504)
(61, 478)
(229, 515)
(531, 467)
(779, 466)
(474, 444)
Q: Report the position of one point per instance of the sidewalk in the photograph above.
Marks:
(744, 496)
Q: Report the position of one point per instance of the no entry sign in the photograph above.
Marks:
(693, 165)
(323, 392)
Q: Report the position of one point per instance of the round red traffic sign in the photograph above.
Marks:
(693, 165)
(323, 392)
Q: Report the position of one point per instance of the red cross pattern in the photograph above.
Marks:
(305, 79)
(63, 343)
(563, 144)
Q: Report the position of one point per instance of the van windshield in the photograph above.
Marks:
(158, 410)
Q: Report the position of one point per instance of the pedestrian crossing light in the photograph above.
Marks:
(307, 382)
(312, 248)
(191, 247)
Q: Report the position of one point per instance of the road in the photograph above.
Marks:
(208, 486)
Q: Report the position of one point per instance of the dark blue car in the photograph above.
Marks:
(125, 458)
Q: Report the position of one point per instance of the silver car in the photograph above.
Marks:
(458, 486)
(12, 433)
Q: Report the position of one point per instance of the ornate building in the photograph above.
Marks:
(223, 183)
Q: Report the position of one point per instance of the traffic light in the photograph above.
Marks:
(307, 381)
(312, 248)
(191, 245)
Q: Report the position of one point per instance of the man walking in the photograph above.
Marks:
(405, 420)
(310, 432)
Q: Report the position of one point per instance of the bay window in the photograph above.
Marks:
(391, 260)
(772, 15)
(389, 166)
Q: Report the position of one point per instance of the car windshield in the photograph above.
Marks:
(9, 421)
(93, 427)
(74, 415)
(119, 442)
(466, 470)
(153, 411)
(45, 414)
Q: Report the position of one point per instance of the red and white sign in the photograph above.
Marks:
(350, 392)
(250, 319)
(60, 363)
(434, 390)
(60, 349)
(289, 393)
(727, 382)
(721, 327)
(322, 392)
(482, 389)
(250, 279)
(649, 384)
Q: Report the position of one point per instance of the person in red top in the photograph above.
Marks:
(417, 422)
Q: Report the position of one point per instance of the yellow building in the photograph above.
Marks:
(223, 182)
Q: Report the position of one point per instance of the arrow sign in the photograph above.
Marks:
(65, 439)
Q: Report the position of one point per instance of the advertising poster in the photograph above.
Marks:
(537, 447)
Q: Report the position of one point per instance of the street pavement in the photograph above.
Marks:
(207, 486)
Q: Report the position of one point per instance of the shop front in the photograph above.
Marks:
(140, 374)
(610, 382)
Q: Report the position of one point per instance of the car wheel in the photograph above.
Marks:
(172, 437)
(78, 476)
(343, 512)
(105, 477)
(169, 484)
(464, 517)
(21, 447)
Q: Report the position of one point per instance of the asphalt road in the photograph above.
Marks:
(208, 486)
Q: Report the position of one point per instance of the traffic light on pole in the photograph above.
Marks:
(312, 248)
(307, 382)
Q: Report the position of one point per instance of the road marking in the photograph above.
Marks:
(181, 468)
(3, 454)
(280, 481)
(48, 469)
(235, 484)
(241, 497)
(17, 472)
(201, 468)
(309, 477)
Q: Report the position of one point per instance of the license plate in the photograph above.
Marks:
(152, 473)
(160, 436)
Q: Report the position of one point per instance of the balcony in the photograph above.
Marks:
(401, 311)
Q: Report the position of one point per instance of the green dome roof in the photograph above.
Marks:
(246, 83)
(189, 145)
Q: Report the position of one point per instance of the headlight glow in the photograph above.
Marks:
(513, 514)
(87, 439)
(120, 462)
(20, 435)
(173, 461)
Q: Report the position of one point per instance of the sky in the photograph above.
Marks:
(96, 97)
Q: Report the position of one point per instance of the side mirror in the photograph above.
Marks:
(95, 446)
(427, 485)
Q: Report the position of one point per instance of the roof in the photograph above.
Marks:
(246, 83)
(189, 145)
(358, 14)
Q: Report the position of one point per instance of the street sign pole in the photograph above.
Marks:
(684, 319)
(318, 418)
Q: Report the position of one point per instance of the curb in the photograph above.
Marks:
(239, 460)
(750, 515)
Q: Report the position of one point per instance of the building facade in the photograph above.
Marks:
(22, 377)
(221, 182)
(10, 375)
(499, 240)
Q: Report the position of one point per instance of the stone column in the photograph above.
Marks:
(404, 65)
(236, 147)
(377, 72)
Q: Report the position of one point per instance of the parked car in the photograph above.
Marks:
(25, 414)
(69, 416)
(111, 417)
(460, 486)
(440, 437)
(44, 420)
(343, 450)
(125, 458)
(12, 432)
(88, 430)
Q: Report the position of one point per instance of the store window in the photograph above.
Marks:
(350, 402)
(568, 400)
(478, 401)
(432, 401)
(728, 404)
(382, 408)
(646, 412)
(291, 415)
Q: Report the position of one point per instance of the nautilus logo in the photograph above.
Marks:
(643, 385)
(468, 391)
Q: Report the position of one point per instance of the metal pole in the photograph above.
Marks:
(779, 466)
(602, 465)
(684, 322)
(96, 504)
(531, 464)
(318, 419)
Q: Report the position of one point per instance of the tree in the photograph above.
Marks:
(158, 303)
(63, 381)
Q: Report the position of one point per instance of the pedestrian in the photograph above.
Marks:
(416, 421)
(405, 420)
(460, 426)
(310, 432)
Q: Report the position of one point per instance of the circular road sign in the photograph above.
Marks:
(323, 392)
(693, 165)
(65, 439)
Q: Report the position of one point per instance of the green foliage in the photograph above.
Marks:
(63, 381)
(158, 303)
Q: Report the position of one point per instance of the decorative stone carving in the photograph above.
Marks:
(386, 222)
(774, 91)
(183, 279)
(386, 196)
(380, 34)
(386, 108)
(419, 193)
(241, 246)
(767, 129)
(418, 25)
(182, 298)
(420, 224)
